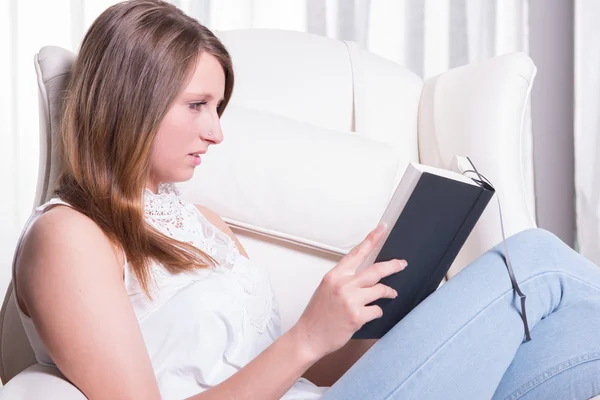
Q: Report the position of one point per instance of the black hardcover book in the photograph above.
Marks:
(431, 215)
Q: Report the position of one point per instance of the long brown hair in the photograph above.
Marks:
(133, 61)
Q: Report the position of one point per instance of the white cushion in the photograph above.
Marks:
(300, 85)
(327, 83)
(310, 185)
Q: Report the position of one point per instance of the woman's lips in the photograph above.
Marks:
(196, 160)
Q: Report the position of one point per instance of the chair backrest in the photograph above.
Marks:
(317, 135)
(52, 66)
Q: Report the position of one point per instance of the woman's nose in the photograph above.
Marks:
(213, 133)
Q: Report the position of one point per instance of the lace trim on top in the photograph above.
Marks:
(172, 216)
(166, 212)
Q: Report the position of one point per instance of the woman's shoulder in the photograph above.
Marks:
(63, 217)
(62, 227)
(218, 222)
(61, 241)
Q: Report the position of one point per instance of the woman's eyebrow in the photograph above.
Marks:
(207, 96)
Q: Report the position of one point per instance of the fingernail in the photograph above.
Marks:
(395, 294)
(403, 263)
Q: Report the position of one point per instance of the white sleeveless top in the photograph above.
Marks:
(203, 326)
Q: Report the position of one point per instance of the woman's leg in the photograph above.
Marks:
(565, 363)
(460, 341)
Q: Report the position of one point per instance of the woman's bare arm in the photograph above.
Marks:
(70, 281)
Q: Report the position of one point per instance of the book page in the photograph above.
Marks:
(394, 208)
(445, 173)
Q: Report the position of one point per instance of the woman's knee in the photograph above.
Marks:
(539, 247)
(534, 238)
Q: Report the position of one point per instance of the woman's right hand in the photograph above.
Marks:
(338, 307)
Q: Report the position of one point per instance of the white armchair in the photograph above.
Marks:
(317, 136)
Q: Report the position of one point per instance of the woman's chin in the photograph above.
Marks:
(180, 176)
(187, 175)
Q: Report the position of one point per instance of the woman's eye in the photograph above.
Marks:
(197, 106)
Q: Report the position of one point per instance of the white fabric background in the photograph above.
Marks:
(427, 36)
(587, 127)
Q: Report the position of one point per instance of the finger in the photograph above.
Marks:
(379, 291)
(374, 273)
(370, 313)
(352, 260)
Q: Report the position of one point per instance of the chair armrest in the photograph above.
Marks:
(477, 111)
(40, 382)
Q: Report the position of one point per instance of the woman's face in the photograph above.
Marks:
(190, 126)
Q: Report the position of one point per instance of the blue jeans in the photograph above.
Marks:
(466, 340)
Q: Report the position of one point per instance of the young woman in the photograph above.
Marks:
(133, 293)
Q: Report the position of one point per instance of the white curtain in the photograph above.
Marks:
(427, 36)
(587, 127)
